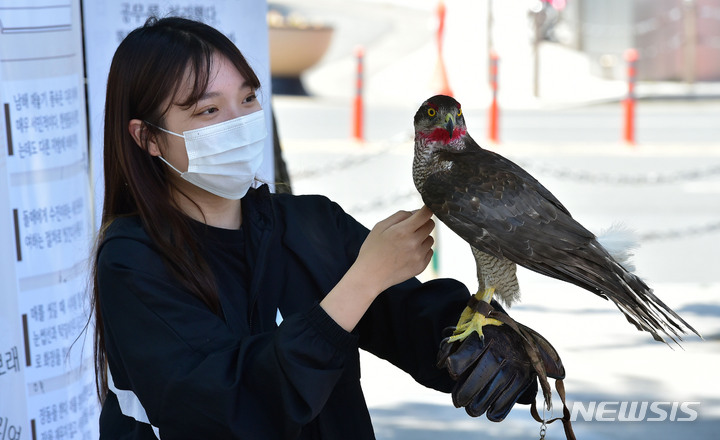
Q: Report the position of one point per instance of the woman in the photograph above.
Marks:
(224, 311)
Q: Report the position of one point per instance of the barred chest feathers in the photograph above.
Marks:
(426, 163)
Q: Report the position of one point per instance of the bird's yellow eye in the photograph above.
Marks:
(431, 112)
(459, 112)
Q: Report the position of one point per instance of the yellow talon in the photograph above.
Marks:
(471, 321)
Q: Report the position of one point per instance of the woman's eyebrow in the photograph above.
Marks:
(209, 95)
(215, 94)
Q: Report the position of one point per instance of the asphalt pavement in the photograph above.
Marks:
(666, 188)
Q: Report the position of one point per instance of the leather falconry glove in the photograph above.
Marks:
(503, 368)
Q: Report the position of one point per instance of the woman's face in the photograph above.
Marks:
(228, 96)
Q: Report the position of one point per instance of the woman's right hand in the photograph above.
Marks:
(397, 248)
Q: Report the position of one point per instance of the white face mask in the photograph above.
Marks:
(224, 158)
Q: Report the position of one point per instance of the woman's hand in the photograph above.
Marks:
(397, 248)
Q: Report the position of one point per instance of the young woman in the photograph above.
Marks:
(224, 311)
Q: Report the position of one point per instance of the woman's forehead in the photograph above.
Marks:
(203, 82)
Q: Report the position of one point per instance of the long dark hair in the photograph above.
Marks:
(148, 69)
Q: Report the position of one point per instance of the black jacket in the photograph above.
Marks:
(241, 375)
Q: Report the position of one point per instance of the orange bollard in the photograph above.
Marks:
(443, 85)
(631, 56)
(493, 131)
(357, 130)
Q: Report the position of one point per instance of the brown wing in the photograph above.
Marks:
(500, 209)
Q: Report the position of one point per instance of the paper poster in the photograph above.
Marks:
(46, 378)
(47, 388)
(109, 21)
(13, 411)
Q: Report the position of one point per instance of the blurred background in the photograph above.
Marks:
(613, 105)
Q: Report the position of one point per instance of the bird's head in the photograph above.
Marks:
(439, 121)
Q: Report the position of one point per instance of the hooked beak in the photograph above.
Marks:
(450, 124)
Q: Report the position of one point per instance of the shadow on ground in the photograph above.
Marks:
(423, 421)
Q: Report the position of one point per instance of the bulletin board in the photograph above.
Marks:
(54, 61)
(48, 390)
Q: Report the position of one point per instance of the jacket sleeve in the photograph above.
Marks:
(193, 376)
(404, 324)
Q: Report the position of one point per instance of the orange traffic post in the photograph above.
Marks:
(443, 85)
(357, 129)
(631, 56)
(493, 115)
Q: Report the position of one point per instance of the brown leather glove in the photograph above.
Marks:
(495, 373)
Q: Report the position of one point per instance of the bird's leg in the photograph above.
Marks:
(472, 321)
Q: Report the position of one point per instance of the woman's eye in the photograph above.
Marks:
(209, 111)
(250, 98)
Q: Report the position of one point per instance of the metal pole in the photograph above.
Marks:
(357, 131)
(539, 18)
(690, 44)
(444, 85)
(489, 26)
(631, 56)
(493, 131)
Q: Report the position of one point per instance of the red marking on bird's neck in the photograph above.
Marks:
(441, 135)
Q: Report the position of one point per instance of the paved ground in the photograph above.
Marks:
(606, 359)
(569, 140)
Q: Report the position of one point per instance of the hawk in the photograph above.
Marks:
(510, 218)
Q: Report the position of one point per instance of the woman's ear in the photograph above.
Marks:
(139, 132)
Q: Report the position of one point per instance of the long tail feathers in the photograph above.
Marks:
(647, 312)
(639, 304)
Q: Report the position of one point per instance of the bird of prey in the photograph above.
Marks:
(509, 218)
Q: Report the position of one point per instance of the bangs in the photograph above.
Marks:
(196, 75)
(192, 83)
